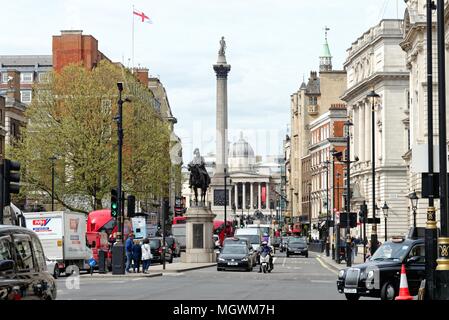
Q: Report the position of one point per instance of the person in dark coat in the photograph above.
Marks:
(129, 250)
(137, 255)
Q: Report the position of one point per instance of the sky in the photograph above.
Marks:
(271, 46)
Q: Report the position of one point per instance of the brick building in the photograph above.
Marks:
(327, 136)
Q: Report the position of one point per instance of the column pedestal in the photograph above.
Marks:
(199, 231)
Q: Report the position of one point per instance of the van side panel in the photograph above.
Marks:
(74, 237)
(49, 229)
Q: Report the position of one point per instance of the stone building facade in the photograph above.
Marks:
(308, 103)
(414, 45)
(375, 61)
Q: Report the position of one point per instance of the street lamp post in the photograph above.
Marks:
(327, 163)
(118, 250)
(385, 211)
(347, 124)
(431, 224)
(333, 151)
(337, 229)
(414, 202)
(442, 269)
(310, 211)
(226, 176)
(373, 95)
(52, 159)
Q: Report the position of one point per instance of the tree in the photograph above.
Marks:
(72, 118)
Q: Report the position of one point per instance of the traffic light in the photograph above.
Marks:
(11, 179)
(363, 214)
(131, 206)
(114, 203)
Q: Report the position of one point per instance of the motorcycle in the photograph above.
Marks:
(265, 262)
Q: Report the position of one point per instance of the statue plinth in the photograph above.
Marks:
(199, 235)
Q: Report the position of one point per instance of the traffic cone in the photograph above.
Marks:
(404, 294)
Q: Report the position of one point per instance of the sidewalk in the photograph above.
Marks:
(180, 267)
(337, 267)
(109, 275)
(155, 270)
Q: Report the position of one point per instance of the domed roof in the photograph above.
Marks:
(241, 149)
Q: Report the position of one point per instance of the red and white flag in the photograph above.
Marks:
(142, 16)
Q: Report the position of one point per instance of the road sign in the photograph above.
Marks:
(344, 219)
(373, 220)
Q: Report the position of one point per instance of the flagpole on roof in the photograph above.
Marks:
(132, 50)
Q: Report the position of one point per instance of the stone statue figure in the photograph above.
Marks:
(222, 47)
(199, 178)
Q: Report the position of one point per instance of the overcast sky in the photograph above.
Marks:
(271, 45)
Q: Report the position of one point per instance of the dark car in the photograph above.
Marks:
(234, 257)
(297, 246)
(156, 250)
(23, 269)
(242, 240)
(174, 245)
(380, 275)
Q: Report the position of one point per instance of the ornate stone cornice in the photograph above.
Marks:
(367, 84)
(222, 70)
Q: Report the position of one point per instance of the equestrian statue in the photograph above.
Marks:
(199, 178)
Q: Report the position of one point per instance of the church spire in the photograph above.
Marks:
(326, 57)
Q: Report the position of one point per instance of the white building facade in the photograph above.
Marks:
(414, 45)
(376, 62)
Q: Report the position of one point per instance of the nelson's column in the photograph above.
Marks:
(217, 189)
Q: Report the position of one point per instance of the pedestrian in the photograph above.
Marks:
(146, 255)
(129, 251)
(137, 255)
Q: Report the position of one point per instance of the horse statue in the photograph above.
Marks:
(199, 178)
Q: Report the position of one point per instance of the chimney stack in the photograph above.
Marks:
(13, 91)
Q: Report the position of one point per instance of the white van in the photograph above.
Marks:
(253, 234)
(264, 228)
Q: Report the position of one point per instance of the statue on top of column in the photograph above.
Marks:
(222, 47)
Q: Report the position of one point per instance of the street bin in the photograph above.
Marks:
(102, 268)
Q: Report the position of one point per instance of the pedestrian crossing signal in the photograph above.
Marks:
(114, 203)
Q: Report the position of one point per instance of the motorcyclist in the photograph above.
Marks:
(265, 248)
(266, 237)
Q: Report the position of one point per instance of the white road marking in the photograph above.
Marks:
(274, 259)
(283, 263)
(177, 274)
(322, 281)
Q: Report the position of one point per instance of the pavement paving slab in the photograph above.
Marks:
(109, 275)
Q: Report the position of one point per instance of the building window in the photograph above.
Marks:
(25, 96)
(4, 77)
(43, 76)
(26, 77)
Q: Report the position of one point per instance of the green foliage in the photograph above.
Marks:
(72, 118)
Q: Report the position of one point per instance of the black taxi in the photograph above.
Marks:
(23, 269)
(380, 275)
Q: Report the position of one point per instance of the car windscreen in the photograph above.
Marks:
(253, 239)
(296, 241)
(241, 241)
(155, 243)
(390, 251)
(235, 249)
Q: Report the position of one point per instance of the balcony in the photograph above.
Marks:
(312, 109)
